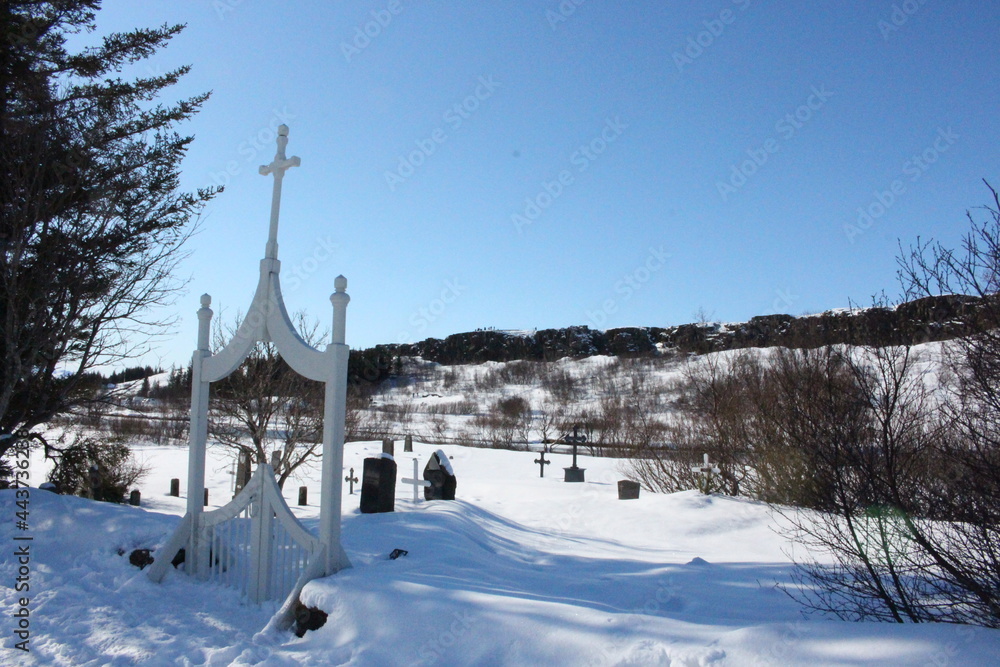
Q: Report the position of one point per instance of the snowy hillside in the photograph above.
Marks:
(520, 570)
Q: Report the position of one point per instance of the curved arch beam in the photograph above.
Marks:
(299, 355)
(253, 328)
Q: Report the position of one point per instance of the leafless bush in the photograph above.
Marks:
(507, 425)
(563, 386)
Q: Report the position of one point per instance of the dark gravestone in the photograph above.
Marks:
(206, 497)
(175, 487)
(440, 474)
(408, 443)
(388, 447)
(378, 485)
(303, 496)
(628, 490)
(244, 470)
(134, 498)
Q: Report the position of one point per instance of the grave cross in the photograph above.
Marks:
(352, 480)
(706, 470)
(416, 482)
(575, 440)
(279, 165)
(541, 464)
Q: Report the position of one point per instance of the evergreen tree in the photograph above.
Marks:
(91, 216)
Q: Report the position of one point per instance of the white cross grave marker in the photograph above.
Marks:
(416, 482)
(706, 470)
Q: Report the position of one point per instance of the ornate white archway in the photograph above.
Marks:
(267, 321)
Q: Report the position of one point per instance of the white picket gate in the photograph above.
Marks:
(253, 544)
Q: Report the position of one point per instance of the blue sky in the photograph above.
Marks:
(526, 165)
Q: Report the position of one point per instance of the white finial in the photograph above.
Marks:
(340, 283)
(282, 130)
(206, 300)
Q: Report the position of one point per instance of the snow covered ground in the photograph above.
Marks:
(520, 570)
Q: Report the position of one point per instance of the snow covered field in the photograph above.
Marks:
(518, 571)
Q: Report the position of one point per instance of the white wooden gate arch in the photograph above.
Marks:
(266, 320)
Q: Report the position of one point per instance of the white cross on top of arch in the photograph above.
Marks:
(279, 165)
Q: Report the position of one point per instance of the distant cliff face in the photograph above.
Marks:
(924, 320)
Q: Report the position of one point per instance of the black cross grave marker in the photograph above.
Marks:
(574, 473)
(352, 479)
(541, 464)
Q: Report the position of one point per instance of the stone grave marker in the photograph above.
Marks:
(574, 473)
(628, 490)
(441, 476)
(408, 443)
(244, 469)
(378, 485)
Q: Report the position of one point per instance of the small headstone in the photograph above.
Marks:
(134, 498)
(388, 447)
(378, 485)
(303, 496)
(441, 475)
(408, 443)
(206, 497)
(175, 487)
(244, 470)
(628, 490)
